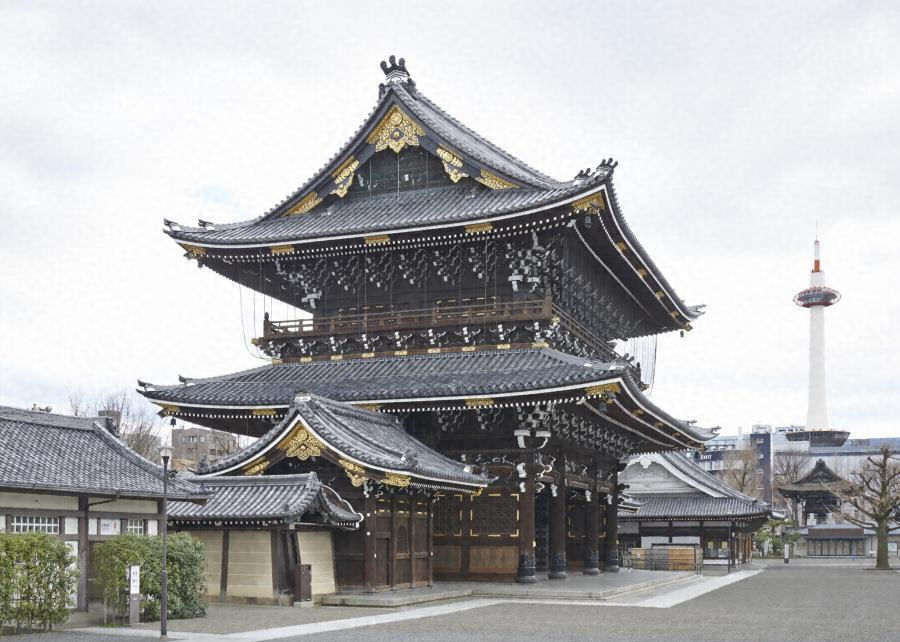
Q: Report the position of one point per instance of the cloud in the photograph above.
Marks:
(737, 128)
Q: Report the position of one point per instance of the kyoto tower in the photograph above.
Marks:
(816, 298)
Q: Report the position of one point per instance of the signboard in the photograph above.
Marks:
(109, 526)
(133, 574)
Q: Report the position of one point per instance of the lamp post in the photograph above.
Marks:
(165, 452)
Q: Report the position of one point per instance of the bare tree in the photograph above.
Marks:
(740, 471)
(874, 494)
(138, 427)
(789, 466)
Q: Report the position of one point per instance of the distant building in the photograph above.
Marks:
(681, 504)
(714, 458)
(194, 445)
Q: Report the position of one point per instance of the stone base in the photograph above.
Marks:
(557, 575)
(591, 571)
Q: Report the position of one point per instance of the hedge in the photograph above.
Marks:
(185, 563)
(38, 579)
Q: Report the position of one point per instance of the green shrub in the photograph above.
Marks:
(185, 563)
(37, 580)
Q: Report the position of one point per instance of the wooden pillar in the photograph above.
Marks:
(525, 572)
(223, 573)
(592, 534)
(558, 527)
(411, 534)
(430, 539)
(392, 565)
(83, 553)
(368, 534)
(612, 527)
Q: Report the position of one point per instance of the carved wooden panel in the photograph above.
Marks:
(448, 515)
(495, 514)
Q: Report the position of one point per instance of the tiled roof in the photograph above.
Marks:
(273, 497)
(701, 505)
(374, 439)
(444, 375)
(696, 507)
(46, 452)
(456, 204)
(414, 376)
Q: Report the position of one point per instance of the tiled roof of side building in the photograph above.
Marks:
(729, 503)
(439, 376)
(695, 507)
(76, 455)
(270, 497)
(375, 439)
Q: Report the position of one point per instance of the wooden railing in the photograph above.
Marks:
(439, 316)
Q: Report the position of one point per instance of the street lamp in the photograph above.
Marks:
(165, 452)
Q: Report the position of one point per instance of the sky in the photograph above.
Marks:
(737, 126)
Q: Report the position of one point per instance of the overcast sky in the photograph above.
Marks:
(737, 126)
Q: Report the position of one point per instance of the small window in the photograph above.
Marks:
(135, 527)
(31, 524)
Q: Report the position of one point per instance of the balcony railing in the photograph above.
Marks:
(385, 321)
(445, 315)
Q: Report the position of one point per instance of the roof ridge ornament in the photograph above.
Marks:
(395, 71)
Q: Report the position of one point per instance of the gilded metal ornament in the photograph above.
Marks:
(392, 479)
(378, 239)
(479, 228)
(452, 163)
(281, 249)
(355, 472)
(593, 204)
(306, 204)
(493, 181)
(603, 389)
(169, 409)
(479, 403)
(255, 468)
(396, 130)
(264, 412)
(343, 176)
(194, 250)
(301, 445)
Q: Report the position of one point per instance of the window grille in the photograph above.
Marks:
(135, 527)
(32, 524)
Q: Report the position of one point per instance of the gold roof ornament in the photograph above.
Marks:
(479, 228)
(306, 204)
(603, 389)
(393, 479)
(343, 176)
(479, 403)
(594, 204)
(355, 472)
(194, 250)
(396, 130)
(452, 163)
(378, 239)
(302, 445)
(256, 467)
(493, 181)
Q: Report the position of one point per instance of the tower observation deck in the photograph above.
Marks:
(816, 298)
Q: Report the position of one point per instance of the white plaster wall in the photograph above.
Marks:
(37, 501)
(71, 526)
(316, 550)
(125, 506)
(152, 526)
